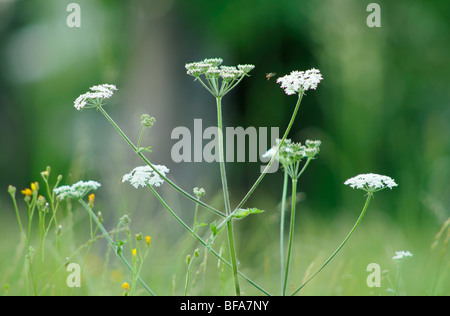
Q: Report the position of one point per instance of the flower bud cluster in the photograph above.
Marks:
(291, 152)
(212, 70)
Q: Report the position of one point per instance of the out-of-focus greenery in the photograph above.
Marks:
(382, 107)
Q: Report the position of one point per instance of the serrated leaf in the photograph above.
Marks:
(255, 210)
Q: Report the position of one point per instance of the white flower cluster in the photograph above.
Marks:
(298, 81)
(96, 95)
(371, 182)
(145, 175)
(210, 67)
(76, 191)
(400, 255)
(290, 152)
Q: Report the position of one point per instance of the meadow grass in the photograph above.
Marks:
(426, 273)
(64, 244)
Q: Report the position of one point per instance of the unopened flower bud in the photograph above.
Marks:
(199, 192)
(100, 216)
(138, 236)
(147, 121)
(188, 259)
(12, 190)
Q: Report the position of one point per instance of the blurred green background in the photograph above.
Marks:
(383, 106)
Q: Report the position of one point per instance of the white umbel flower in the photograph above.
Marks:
(371, 182)
(95, 96)
(400, 255)
(212, 70)
(145, 175)
(298, 81)
(76, 191)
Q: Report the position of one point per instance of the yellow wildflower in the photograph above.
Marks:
(125, 286)
(34, 186)
(91, 199)
(26, 192)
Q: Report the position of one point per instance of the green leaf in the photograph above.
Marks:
(255, 210)
(119, 248)
(241, 213)
(213, 228)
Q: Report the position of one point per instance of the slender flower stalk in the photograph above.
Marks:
(290, 156)
(399, 257)
(114, 246)
(282, 219)
(78, 191)
(130, 143)
(292, 223)
(226, 197)
(141, 155)
(369, 196)
(291, 235)
(204, 243)
(369, 183)
(219, 81)
(275, 153)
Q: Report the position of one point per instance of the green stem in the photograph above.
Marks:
(282, 216)
(369, 196)
(140, 138)
(171, 183)
(51, 197)
(195, 217)
(288, 129)
(226, 198)
(205, 244)
(111, 242)
(27, 244)
(291, 234)
(398, 279)
(19, 220)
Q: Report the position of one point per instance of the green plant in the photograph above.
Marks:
(294, 157)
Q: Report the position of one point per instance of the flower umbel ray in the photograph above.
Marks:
(211, 70)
